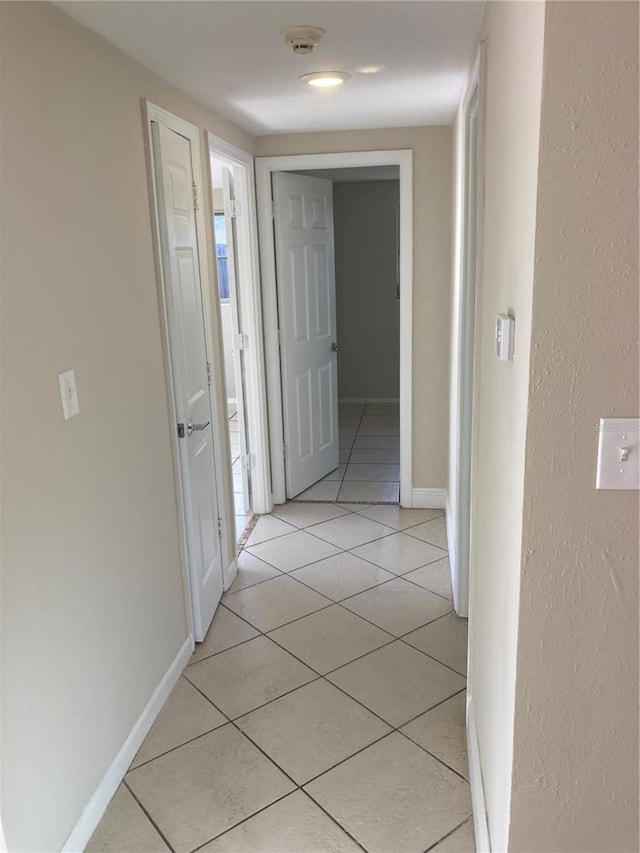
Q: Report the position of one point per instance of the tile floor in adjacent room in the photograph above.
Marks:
(324, 712)
(369, 468)
(242, 517)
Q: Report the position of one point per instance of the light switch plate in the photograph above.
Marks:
(69, 394)
(618, 454)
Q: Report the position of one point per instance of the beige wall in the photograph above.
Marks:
(431, 276)
(92, 598)
(514, 32)
(368, 310)
(575, 783)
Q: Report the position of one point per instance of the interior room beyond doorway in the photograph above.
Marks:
(367, 294)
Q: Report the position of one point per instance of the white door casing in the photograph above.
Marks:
(305, 270)
(188, 355)
(231, 210)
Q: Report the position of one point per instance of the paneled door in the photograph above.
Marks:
(305, 268)
(190, 374)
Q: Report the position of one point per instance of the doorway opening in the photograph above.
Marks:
(337, 263)
(234, 226)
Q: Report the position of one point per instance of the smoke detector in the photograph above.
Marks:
(302, 39)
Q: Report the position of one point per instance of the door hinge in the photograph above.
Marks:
(233, 208)
(196, 202)
(241, 342)
(248, 460)
(209, 373)
(219, 528)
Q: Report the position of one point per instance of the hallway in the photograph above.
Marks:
(325, 709)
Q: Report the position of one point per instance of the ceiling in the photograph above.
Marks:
(230, 56)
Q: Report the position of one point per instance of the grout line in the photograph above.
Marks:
(149, 818)
(444, 837)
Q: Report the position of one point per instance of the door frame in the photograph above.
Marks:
(224, 495)
(264, 167)
(250, 301)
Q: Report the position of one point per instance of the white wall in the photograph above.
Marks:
(368, 310)
(431, 148)
(514, 33)
(575, 781)
(93, 611)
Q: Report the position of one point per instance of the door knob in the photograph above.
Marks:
(334, 347)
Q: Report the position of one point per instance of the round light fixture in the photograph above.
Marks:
(325, 79)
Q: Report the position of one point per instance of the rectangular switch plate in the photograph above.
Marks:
(69, 394)
(618, 454)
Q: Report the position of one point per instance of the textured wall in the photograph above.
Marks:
(365, 216)
(431, 148)
(575, 785)
(93, 609)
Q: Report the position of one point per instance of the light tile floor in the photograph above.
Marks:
(369, 468)
(324, 712)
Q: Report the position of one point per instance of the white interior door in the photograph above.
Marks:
(305, 268)
(231, 213)
(187, 343)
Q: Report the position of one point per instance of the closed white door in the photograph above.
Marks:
(190, 375)
(231, 212)
(305, 266)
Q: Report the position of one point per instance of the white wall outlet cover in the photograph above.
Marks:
(69, 394)
(618, 453)
(505, 332)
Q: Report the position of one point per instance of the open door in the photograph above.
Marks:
(172, 158)
(231, 212)
(305, 269)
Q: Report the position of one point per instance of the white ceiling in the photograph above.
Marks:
(230, 56)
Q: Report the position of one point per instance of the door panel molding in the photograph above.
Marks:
(264, 167)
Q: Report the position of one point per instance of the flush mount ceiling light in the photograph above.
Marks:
(325, 79)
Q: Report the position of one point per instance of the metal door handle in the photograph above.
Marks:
(189, 427)
(334, 347)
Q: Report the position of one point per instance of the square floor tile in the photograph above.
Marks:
(310, 730)
(294, 550)
(186, 714)
(124, 826)
(304, 514)
(445, 640)
(381, 419)
(350, 531)
(442, 731)
(358, 491)
(336, 474)
(398, 517)
(330, 638)
(434, 532)
(375, 454)
(325, 490)
(343, 454)
(400, 553)
(273, 603)
(397, 682)
(366, 472)
(197, 791)
(346, 441)
(342, 575)
(294, 824)
(392, 796)
(378, 429)
(225, 631)
(366, 442)
(462, 840)
(435, 577)
(268, 527)
(245, 677)
(349, 418)
(382, 409)
(251, 570)
(398, 606)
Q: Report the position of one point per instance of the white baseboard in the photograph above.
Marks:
(97, 805)
(369, 400)
(429, 498)
(480, 825)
